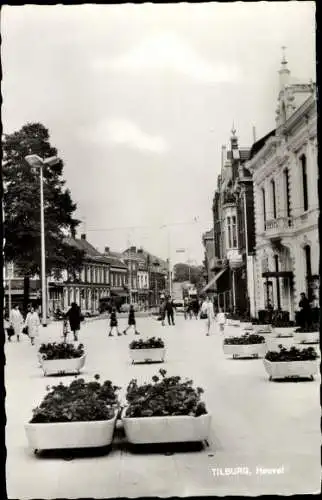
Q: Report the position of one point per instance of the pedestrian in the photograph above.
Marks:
(169, 310)
(195, 307)
(207, 308)
(186, 307)
(16, 321)
(221, 320)
(75, 317)
(113, 323)
(305, 312)
(32, 324)
(131, 321)
(162, 311)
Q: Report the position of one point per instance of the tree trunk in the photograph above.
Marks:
(26, 289)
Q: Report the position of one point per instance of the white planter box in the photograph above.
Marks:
(233, 322)
(176, 429)
(309, 337)
(289, 369)
(246, 326)
(245, 350)
(272, 342)
(61, 435)
(284, 331)
(147, 355)
(57, 366)
(262, 328)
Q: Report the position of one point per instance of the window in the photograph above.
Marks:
(234, 231)
(89, 274)
(273, 199)
(287, 193)
(229, 232)
(112, 279)
(264, 206)
(304, 180)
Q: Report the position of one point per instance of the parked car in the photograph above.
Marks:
(178, 305)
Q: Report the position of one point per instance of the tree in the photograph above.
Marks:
(183, 271)
(21, 202)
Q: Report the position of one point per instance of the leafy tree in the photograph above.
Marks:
(21, 202)
(182, 272)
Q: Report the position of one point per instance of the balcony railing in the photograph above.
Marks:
(280, 226)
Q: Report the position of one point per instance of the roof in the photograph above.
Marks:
(143, 256)
(258, 145)
(91, 253)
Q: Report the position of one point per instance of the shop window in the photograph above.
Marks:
(274, 199)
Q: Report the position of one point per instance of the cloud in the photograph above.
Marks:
(166, 51)
(124, 132)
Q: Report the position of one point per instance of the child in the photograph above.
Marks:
(221, 319)
(131, 321)
(113, 323)
(65, 329)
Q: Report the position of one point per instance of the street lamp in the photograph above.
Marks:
(37, 162)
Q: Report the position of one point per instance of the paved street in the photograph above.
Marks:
(255, 423)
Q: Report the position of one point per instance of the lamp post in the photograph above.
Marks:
(36, 161)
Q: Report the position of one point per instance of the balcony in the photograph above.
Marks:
(217, 264)
(277, 228)
(235, 258)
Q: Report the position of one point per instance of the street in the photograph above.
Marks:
(256, 424)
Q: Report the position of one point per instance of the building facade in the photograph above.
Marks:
(285, 174)
(231, 245)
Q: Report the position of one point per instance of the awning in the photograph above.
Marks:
(119, 294)
(277, 274)
(213, 281)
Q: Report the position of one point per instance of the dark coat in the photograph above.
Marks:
(113, 319)
(74, 316)
(131, 320)
(169, 306)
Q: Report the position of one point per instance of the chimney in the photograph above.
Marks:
(254, 134)
(83, 236)
(140, 250)
(107, 250)
(133, 249)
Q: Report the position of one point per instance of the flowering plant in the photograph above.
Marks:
(62, 350)
(165, 396)
(245, 339)
(78, 402)
(151, 343)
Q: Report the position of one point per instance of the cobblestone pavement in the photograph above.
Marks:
(255, 423)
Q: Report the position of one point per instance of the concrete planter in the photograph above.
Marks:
(273, 342)
(246, 326)
(245, 350)
(262, 328)
(291, 369)
(307, 337)
(287, 331)
(176, 429)
(62, 366)
(233, 322)
(63, 435)
(147, 355)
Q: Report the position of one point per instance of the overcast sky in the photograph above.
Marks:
(139, 99)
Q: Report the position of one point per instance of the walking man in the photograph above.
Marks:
(305, 312)
(16, 321)
(208, 309)
(169, 309)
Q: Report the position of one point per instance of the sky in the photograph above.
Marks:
(139, 100)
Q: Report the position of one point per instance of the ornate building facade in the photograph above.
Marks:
(285, 175)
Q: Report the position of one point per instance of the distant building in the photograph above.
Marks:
(285, 173)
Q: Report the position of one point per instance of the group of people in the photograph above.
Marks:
(114, 322)
(191, 307)
(167, 310)
(17, 325)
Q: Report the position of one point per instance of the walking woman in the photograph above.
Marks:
(113, 323)
(32, 323)
(131, 321)
(74, 316)
(208, 309)
(16, 321)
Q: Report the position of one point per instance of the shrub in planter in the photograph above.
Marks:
(245, 340)
(292, 354)
(151, 343)
(78, 402)
(62, 350)
(164, 396)
(81, 415)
